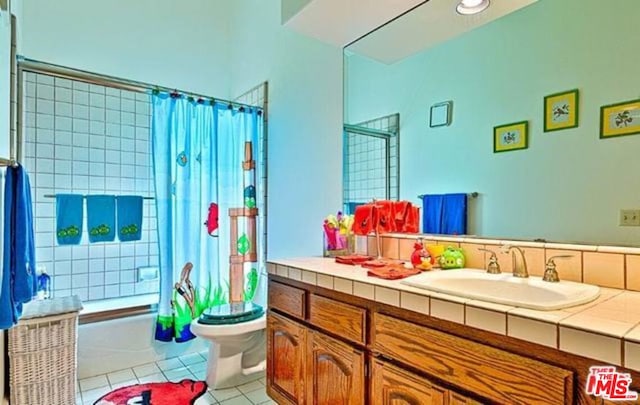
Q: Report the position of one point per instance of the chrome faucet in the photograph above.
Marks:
(518, 270)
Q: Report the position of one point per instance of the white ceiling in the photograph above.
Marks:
(430, 24)
(340, 22)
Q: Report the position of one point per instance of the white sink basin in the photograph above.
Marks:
(505, 289)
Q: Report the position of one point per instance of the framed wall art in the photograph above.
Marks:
(561, 110)
(511, 137)
(620, 119)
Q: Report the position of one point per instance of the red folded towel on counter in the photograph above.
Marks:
(381, 263)
(393, 272)
(352, 259)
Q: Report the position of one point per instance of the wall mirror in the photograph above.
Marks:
(497, 67)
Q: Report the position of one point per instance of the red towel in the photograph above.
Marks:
(412, 221)
(382, 263)
(352, 259)
(400, 213)
(386, 223)
(364, 219)
(393, 272)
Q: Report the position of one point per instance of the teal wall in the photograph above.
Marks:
(305, 122)
(569, 185)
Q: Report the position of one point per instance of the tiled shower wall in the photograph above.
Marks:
(89, 139)
(367, 164)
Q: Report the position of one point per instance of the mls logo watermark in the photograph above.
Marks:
(605, 382)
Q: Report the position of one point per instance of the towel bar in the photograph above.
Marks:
(474, 194)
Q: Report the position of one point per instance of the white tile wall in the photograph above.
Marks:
(89, 139)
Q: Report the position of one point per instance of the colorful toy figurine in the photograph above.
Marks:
(420, 258)
(452, 258)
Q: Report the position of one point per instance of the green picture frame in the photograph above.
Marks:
(620, 119)
(562, 110)
(510, 137)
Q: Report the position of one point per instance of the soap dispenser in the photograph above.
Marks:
(44, 284)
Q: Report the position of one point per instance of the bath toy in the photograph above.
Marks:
(420, 258)
(452, 258)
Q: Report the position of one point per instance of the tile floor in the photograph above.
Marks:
(175, 369)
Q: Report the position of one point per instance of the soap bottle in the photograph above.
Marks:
(44, 284)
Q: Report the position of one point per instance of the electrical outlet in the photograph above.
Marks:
(629, 217)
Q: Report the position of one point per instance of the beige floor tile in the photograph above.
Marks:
(120, 376)
(193, 358)
(258, 396)
(251, 386)
(133, 381)
(206, 399)
(169, 364)
(146, 369)
(225, 394)
(159, 377)
(92, 395)
(241, 400)
(91, 383)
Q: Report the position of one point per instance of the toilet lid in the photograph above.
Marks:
(231, 313)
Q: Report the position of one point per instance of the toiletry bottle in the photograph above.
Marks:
(44, 283)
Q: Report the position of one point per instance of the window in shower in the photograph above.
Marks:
(88, 139)
(371, 161)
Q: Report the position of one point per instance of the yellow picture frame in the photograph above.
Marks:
(561, 110)
(620, 119)
(511, 137)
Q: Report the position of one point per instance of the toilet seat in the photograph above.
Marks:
(204, 330)
(234, 313)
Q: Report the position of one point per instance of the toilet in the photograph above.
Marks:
(237, 347)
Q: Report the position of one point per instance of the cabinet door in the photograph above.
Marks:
(456, 398)
(335, 371)
(391, 385)
(286, 345)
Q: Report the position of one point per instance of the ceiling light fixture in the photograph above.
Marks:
(469, 7)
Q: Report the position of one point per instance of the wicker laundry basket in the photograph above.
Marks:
(42, 353)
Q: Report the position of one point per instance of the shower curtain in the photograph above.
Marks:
(199, 148)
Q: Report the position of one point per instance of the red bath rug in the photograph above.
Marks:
(184, 392)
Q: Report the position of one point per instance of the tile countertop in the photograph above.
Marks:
(607, 329)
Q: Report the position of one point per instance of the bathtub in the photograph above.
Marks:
(116, 334)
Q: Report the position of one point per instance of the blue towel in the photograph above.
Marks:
(432, 207)
(69, 215)
(454, 214)
(101, 218)
(129, 218)
(19, 264)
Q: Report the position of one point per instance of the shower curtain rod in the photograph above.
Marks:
(35, 66)
(84, 196)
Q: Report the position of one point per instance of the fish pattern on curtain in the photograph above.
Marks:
(198, 150)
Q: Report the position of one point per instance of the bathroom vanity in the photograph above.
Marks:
(336, 336)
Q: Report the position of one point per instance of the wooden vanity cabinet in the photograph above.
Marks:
(391, 385)
(335, 371)
(329, 348)
(286, 359)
